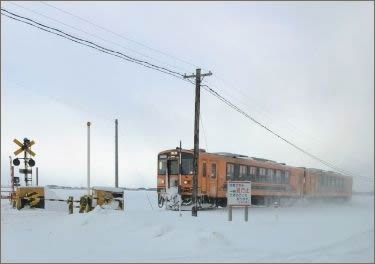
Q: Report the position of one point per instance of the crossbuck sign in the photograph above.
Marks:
(239, 193)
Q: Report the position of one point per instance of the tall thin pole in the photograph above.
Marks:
(116, 153)
(179, 183)
(37, 177)
(196, 138)
(88, 157)
(198, 80)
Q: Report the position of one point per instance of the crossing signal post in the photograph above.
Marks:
(198, 78)
(29, 162)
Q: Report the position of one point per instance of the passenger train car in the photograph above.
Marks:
(271, 181)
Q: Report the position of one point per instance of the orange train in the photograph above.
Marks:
(271, 181)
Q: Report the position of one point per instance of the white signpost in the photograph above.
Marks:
(238, 195)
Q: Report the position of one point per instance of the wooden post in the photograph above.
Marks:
(37, 176)
(70, 202)
(246, 213)
(196, 139)
(230, 213)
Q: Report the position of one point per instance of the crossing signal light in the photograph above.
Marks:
(31, 162)
(16, 162)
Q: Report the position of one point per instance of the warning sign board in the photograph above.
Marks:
(239, 193)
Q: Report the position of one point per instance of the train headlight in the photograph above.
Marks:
(185, 182)
(162, 181)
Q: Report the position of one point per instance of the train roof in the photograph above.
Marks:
(229, 155)
(245, 157)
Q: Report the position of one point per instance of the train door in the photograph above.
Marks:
(204, 177)
(168, 178)
(212, 178)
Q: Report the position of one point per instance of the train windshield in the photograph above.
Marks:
(173, 167)
(164, 163)
(187, 163)
(173, 164)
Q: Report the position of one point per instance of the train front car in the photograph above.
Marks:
(169, 181)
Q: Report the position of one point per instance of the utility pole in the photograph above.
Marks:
(88, 157)
(37, 177)
(116, 153)
(179, 180)
(198, 80)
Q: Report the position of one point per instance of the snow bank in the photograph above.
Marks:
(145, 233)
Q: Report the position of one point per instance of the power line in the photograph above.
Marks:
(178, 75)
(138, 43)
(96, 36)
(118, 35)
(85, 20)
(90, 44)
(265, 113)
(217, 95)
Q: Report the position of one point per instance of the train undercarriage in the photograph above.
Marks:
(170, 199)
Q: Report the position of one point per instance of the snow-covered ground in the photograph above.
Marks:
(144, 233)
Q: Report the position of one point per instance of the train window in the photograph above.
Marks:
(326, 180)
(278, 179)
(278, 172)
(270, 173)
(213, 170)
(243, 171)
(173, 167)
(287, 177)
(162, 166)
(187, 163)
(262, 174)
(253, 171)
(230, 171)
(204, 169)
(236, 171)
(187, 166)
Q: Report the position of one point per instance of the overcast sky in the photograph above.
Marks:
(304, 69)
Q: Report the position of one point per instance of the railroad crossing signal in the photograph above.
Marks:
(24, 147)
